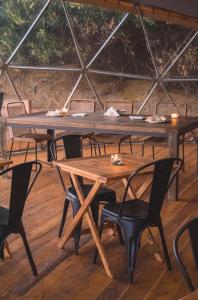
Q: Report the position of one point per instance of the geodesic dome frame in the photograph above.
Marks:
(183, 12)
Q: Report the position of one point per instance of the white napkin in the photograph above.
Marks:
(111, 112)
(53, 113)
(136, 117)
(79, 114)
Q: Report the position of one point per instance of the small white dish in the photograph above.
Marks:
(136, 118)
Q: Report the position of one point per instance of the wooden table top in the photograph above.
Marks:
(97, 122)
(100, 168)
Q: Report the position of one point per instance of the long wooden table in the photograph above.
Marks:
(101, 171)
(98, 123)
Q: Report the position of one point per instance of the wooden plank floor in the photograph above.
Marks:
(65, 276)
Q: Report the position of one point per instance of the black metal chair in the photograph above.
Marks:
(73, 149)
(133, 216)
(192, 227)
(164, 108)
(2, 95)
(26, 135)
(11, 219)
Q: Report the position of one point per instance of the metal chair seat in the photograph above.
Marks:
(133, 210)
(37, 137)
(4, 215)
(103, 194)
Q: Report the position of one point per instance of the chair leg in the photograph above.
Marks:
(95, 211)
(119, 147)
(132, 247)
(2, 243)
(143, 149)
(64, 215)
(153, 152)
(100, 235)
(10, 154)
(183, 157)
(95, 149)
(105, 152)
(119, 230)
(131, 147)
(27, 248)
(91, 148)
(164, 246)
(77, 231)
(99, 152)
(26, 152)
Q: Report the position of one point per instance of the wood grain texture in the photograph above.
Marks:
(63, 275)
(97, 122)
(100, 168)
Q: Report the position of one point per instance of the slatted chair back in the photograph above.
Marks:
(81, 105)
(163, 173)
(16, 108)
(126, 106)
(192, 228)
(167, 108)
(21, 185)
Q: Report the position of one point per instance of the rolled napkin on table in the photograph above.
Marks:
(111, 112)
(136, 117)
(79, 114)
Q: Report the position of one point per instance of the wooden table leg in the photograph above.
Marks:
(6, 247)
(174, 152)
(79, 214)
(89, 218)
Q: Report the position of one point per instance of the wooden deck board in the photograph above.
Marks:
(65, 276)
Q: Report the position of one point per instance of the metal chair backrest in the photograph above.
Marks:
(167, 108)
(21, 185)
(1, 99)
(192, 228)
(14, 109)
(81, 105)
(72, 148)
(163, 173)
(127, 106)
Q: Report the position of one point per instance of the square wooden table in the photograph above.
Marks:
(101, 171)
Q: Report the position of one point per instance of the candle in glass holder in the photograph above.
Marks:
(116, 159)
(174, 116)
